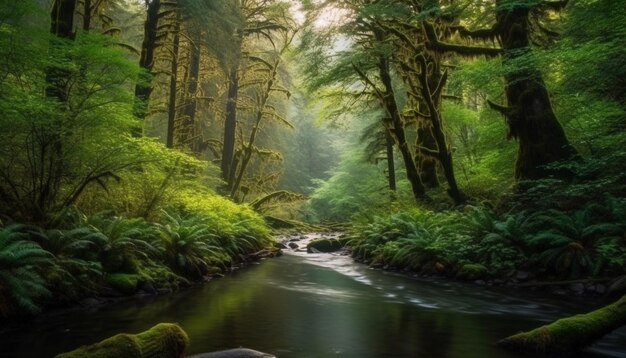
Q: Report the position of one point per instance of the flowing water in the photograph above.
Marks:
(318, 305)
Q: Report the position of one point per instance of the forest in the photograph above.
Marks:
(148, 147)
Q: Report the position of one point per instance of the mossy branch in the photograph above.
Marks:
(505, 111)
(467, 51)
(481, 34)
(570, 334)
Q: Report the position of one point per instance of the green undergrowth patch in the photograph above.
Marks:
(476, 242)
(87, 256)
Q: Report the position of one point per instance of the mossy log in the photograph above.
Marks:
(572, 333)
(165, 340)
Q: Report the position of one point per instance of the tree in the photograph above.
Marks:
(529, 113)
(143, 88)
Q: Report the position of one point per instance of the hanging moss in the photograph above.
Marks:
(165, 340)
(572, 333)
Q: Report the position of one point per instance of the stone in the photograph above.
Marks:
(577, 288)
(293, 245)
(90, 302)
(472, 272)
(522, 275)
(234, 353)
(280, 245)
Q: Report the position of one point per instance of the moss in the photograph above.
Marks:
(162, 276)
(165, 340)
(472, 272)
(325, 245)
(124, 282)
(572, 333)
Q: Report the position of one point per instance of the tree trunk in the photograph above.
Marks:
(530, 117)
(230, 126)
(165, 340)
(431, 88)
(171, 111)
(391, 167)
(426, 163)
(398, 131)
(146, 61)
(61, 25)
(570, 334)
(50, 141)
(87, 15)
(188, 131)
(248, 148)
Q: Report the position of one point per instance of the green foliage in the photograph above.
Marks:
(123, 282)
(77, 269)
(53, 150)
(21, 263)
(126, 241)
(553, 243)
(189, 246)
(568, 242)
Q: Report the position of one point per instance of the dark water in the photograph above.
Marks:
(317, 306)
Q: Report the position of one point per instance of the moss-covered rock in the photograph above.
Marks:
(165, 340)
(572, 333)
(126, 283)
(326, 245)
(472, 272)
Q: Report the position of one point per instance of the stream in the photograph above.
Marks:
(319, 305)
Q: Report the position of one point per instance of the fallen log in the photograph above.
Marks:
(570, 334)
(165, 340)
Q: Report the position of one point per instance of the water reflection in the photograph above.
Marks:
(315, 306)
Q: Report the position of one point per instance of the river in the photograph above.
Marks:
(318, 305)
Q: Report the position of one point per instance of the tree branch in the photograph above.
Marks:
(468, 51)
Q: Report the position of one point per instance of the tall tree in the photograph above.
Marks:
(143, 88)
(529, 113)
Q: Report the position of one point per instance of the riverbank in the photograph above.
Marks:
(472, 273)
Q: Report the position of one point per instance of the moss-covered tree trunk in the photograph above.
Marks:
(143, 89)
(230, 126)
(572, 333)
(391, 166)
(188, 136)
(165, 340)
(172, 103)
(397, 130)
(530, 116)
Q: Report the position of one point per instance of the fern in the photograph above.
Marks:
(21, 286)
(567, 243)
(124, 241)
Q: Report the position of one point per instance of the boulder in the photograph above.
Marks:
(472, 272)
(293, 245)
(125, 283)
(326, 245)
